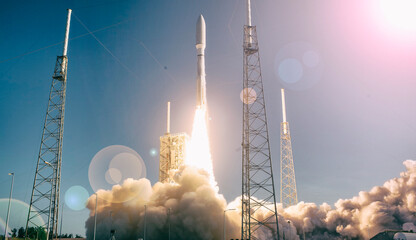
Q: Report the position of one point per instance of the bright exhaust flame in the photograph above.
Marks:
(198, 152)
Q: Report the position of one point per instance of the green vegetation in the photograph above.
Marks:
(33, 233)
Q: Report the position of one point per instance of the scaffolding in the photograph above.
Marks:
(288, 193)
(172, 152)
(258, 199)
(44, 201)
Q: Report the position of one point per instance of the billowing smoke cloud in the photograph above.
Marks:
(383, 207)
(391, 206)
(197, 211)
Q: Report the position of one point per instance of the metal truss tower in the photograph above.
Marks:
(258, 192)
(288, 193)
(44, 201)
(172, 152)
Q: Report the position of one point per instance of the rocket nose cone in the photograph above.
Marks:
(201, 19)
(200, 31)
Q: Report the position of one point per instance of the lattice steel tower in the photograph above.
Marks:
(288, 194)
(44, 201)
(172, 152)
(257, 176)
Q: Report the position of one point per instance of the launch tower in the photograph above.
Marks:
(258, 192)
(288, 194)
(172, 152)
(44, 201)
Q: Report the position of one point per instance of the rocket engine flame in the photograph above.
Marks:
(198, 152)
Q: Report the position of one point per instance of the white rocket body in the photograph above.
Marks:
(201, 97)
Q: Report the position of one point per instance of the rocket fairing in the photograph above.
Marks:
(201, 98)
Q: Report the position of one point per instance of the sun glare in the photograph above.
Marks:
(398, 14)
(198, 152)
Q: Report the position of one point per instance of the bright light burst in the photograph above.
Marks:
(398, 14)
(198, 152)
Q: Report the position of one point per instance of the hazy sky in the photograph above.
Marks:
(349, 71)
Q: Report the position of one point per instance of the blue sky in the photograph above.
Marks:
(351, 116)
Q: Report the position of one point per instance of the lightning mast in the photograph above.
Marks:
(258, 192)
(44, 201)
(288, 193)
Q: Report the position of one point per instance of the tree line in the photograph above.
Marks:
(37, 233)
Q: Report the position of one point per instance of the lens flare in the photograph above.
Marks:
(198, 152)
(298, 66)
(3, 226)
(248, 95)
(113, 165)
(76, 197)
(18, 215)
(153, 152)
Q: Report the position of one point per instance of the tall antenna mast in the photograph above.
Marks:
(249, 13)
(284, 110)
(44, 201)
(68, 22)
(258, 192)
(168, 120)
(288, 193)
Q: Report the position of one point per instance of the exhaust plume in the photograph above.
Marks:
(391, 206)
(197, 211)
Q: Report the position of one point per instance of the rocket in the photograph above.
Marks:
(201, 97)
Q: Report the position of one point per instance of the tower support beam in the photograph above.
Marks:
(44, 201)
(288, 193)
(258, 200)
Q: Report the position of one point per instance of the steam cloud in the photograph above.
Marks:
(197, 211)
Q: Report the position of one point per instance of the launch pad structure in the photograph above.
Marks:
(288, 193)
(172, 152)
(258, 198)
(44, 201)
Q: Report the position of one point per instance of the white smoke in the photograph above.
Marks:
(391, 206)
(197, 211)
(409, 226)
